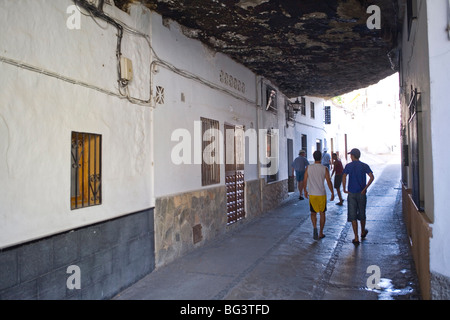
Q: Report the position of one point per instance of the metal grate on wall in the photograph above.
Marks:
(86, 177)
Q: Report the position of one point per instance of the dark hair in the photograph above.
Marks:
(317, 155)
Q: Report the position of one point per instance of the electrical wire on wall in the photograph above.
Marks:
(123, 84)
(99, 13)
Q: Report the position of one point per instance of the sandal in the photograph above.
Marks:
(322, 236)
(364, 233)
(355, 242)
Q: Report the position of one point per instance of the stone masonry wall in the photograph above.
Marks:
(274, 193)
(182, 219)
(253, 198)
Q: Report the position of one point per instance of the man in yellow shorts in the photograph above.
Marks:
(315, 176)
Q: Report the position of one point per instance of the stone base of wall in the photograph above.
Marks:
(188, 220)
(440, 287)
(253, 203)
(111, 256)
(274, 193)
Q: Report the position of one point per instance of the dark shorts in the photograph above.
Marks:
(337, 181)
(300, 175)
(356, 204)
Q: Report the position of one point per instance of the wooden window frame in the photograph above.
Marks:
(210, 172)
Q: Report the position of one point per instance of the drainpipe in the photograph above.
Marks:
(258, 126)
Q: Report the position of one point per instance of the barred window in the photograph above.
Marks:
(303, 106)
(313, 113)
(210, 152)
(85, 182)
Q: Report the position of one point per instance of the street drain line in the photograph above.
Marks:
(319, 289)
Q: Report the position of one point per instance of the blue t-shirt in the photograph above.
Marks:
(300, 163)
(356, 172)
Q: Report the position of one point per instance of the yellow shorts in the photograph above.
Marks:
(318, 203)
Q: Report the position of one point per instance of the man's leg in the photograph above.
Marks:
(337, 186)
(363, 228)
(352, 207)
(362, 203)
(300, 188)
(338, 191)
(355, 230)
(322, 224)
(314, 223)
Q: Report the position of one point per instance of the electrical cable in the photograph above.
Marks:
(124, 27)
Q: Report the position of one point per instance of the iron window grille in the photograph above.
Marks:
(416, 150)
(313, 113)
(86, 177)
(290, 113)
(303, 112)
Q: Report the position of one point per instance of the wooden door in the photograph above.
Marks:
(234, 172)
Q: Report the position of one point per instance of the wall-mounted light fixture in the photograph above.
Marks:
(296, 106)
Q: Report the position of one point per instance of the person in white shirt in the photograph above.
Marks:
(315, 176)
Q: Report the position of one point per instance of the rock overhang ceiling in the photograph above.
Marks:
(305, 47)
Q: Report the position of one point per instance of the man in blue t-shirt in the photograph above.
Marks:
(299, 166)
(357, 189)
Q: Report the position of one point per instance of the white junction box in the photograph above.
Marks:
(126, 69)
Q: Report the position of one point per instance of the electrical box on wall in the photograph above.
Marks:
(126, 69)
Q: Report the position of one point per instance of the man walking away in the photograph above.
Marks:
(299, 166)
(326, 159)
(338, 169)
(315, 176)
(357, 189)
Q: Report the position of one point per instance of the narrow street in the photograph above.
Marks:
(275, 257)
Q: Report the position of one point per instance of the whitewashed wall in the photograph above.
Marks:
(313, 128)
(38, 113)
(439, 130)
(40, 108)
(187, 100)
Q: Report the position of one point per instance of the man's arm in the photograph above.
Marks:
(305, 183)
(364, 191)
(344, 182)
(330, 185)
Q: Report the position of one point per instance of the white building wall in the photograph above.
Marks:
(417, 75)
(55, 80)
(439, 130)
(313, 128)
(39, 111)
(187, 100)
